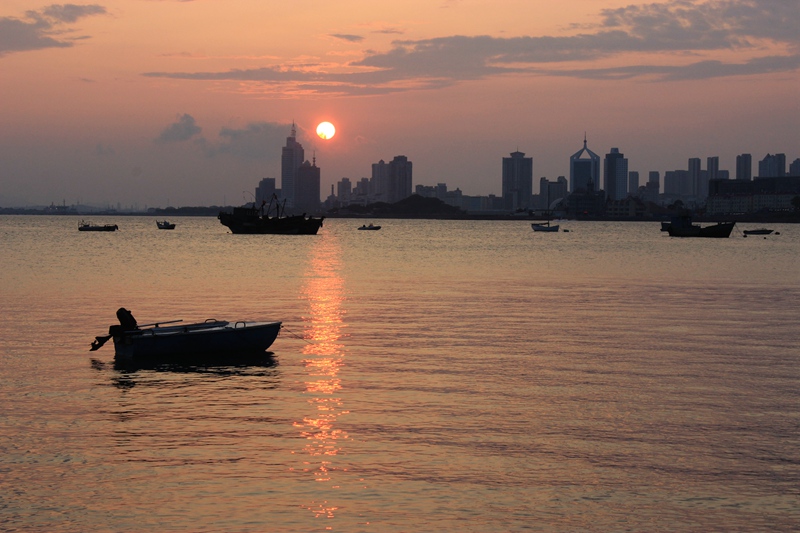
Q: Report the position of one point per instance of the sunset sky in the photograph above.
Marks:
(151, 103)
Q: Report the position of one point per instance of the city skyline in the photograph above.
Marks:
(125, 101)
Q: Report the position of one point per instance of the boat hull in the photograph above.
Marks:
(195, 341)
(717, 231)
(762, 231)
(107, 227)
(545, 228)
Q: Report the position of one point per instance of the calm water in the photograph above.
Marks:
(432, 376)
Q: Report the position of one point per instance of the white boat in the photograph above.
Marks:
(370, 227)
(544, 227)
(169, 340)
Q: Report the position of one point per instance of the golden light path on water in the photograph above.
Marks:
(324, 290)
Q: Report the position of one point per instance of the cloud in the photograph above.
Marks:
(666, 31)
(180, 131)
(348, 37)
(39, 29)
(255, 141)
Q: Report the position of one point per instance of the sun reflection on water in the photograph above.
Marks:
(324, 291)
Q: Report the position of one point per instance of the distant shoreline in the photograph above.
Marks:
(775, 218)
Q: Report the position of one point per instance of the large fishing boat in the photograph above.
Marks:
(257, 220)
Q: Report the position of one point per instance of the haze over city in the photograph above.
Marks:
(189, 102)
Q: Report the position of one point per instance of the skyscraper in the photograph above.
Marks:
(694, 176)
(744, 167)
(399, 183)
(584, 167)
(615, 174)
(772, 166)
(633, 183)
(517, 181)
(292, 156)
(712, 166)
(307, 188)
(380, 181)
(265, 190)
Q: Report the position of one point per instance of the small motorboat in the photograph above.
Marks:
(163, 224)
(85, 226)
(545, 227)
(370, 227)
(759, 231)
(171, 341)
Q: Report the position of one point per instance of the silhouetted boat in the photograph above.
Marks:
(759, 231)
(163, 224)
(544, 227)
(85, 226)
(217, 338)
(370, 227)
(252, 220)
(682, 227)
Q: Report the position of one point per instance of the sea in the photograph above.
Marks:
(434, 375)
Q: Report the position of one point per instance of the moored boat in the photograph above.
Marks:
(370, 227)
(163, 224)
(85, 226)
(169, 340)
(544, 227)
(759, 231)
(683, 227)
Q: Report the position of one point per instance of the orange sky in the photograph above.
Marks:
(141, 101)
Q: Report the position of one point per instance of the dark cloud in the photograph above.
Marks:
(677, 27)
(42, 29)
(180, 131)
(255, 141)
(348, 37)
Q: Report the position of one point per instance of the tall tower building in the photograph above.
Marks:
(712, 166)
(380, 181)
(265, 190)
(307, 188)
(584, 167)
(694, 176)
(399, 182)
(744, 167)
(633, 182)
(615, 174)
(517, 181)
(292, 157)
(772, 166)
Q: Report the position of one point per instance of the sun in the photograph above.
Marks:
(326, 130)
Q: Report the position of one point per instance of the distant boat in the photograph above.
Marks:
(187, 342)
(370, 227)
(252, 220)
(682, 227)
(759, 231)
(544, 227)
(85, 226)
(163, 224)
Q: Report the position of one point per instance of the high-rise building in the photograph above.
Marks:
(794, 168)
(772, 166)
(380, 181)
(615, 174)
(265, 190)
(292, 157)
(345, 191)
(399, 182)
(307, 188)
(584, 167)
(744, 167)
(552, 191)
(694, 176)
(633, 183)
(517, 181)
(712, 167)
